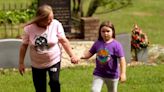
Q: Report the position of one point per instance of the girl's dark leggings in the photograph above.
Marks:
(39, 78)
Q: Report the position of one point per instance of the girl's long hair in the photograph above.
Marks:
(41, 14)
(107, 24)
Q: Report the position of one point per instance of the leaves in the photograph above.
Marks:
(17, 16)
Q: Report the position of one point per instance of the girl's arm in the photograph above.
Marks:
(67, 47)
(122, 69)
(22, 53)
(86, 55)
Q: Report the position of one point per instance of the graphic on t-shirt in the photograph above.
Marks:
(103, 55)
(41, 43)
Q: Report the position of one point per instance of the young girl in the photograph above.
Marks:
(108, 51)
(43, 35)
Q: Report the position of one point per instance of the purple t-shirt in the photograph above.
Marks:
(107, 55)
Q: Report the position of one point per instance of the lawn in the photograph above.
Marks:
(78, 79)
(148, 14)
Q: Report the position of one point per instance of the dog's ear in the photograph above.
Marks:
(44, 35)
(36, 36)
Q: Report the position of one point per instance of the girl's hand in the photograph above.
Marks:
(21, 69)
(122, 77)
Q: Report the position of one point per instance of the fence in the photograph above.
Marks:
(9, 30)
(14, 4)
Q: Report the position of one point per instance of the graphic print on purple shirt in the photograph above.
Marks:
(103, 55)
(109, 69)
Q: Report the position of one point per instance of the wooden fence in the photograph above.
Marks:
(8, 30)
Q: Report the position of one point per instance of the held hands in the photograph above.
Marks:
(74, 60)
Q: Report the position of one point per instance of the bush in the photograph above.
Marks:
(18, 16)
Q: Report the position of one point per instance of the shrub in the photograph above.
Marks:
(18, 16)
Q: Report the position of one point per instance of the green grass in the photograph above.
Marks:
(79, 79)
(144, 79)
(148, 14)
(148, 17)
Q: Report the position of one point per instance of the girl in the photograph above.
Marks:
(43, 35)
(107, 51)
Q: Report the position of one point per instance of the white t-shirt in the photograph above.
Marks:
(44, 47)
